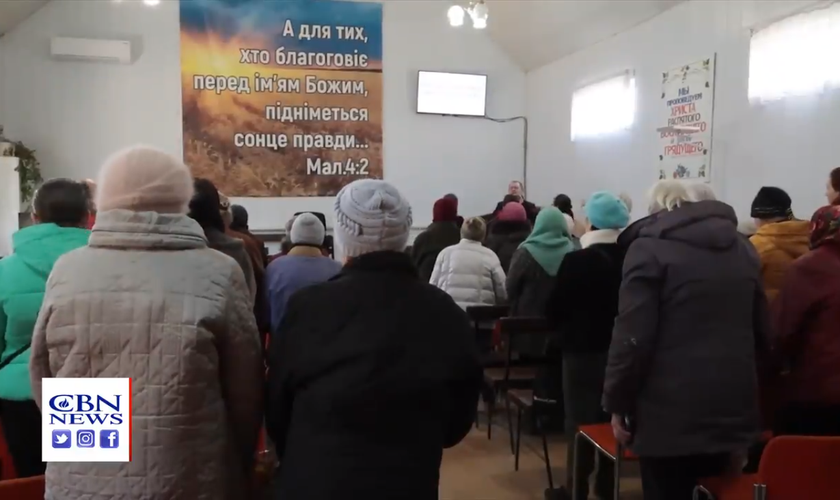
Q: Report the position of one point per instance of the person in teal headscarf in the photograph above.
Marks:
(534, 264)
(530, 281)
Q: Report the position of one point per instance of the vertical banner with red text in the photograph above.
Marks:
(686, 108)
(282, 98)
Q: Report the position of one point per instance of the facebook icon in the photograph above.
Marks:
(109, 438)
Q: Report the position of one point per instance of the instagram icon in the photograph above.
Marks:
(85, 439)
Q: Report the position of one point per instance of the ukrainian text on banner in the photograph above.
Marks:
(282, 98)
(685, 123)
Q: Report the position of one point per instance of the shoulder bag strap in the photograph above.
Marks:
(14, 355)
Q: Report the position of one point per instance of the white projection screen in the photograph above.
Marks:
(456, 94)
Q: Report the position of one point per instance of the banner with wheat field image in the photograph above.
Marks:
(282, 98)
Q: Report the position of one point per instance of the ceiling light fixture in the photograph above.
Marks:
(478, 14)
(151, 3)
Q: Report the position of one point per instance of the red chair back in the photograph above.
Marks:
(7, 468)
(30, 488)
(800, 467)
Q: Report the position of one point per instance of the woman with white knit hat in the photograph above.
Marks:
(374, 372)
(148, 300)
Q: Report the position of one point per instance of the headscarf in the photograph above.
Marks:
(825, 225)
(550, 241)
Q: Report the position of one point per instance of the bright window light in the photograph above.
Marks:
(797, 56)
(604, 108)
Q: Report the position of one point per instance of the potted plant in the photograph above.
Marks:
(29, 171)
(7, 147)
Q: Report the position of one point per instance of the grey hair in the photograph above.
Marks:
(667, 195)
(474, 229)
(700, 191)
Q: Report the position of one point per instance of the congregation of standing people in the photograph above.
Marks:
(686, 335)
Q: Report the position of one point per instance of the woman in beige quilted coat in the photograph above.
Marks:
(147, 299)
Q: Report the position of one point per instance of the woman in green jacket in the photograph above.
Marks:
(60, 212)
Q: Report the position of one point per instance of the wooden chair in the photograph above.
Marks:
(791, 468)
(518, 373)
(602, 438)
(483, 319)
(30, 488)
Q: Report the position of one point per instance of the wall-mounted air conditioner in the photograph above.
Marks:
(83, 49)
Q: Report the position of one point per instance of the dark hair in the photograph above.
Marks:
(239, 218)
(510, 198)
(450, 196)
(205, 205)
(835, 179)
(563, 203)
(63, 202)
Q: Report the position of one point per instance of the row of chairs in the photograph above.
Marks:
(791, 468)
(512, 377)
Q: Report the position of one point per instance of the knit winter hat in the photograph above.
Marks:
(606, 211)
(307, 229)
(370, 215)
(513, 211)
(770, 203)
(143, 179)
(445, 210)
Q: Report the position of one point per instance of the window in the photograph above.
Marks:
(604, 108)
(796, 56)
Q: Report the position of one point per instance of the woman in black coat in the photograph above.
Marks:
(507, 231)
(373, 373)
(681, 381)
(582, 308)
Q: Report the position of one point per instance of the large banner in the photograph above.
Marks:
(282, 98)
(685, 124)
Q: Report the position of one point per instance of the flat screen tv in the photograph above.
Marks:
(456, 94)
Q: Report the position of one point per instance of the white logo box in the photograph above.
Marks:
(86, 420)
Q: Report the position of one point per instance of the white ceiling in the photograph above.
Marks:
(536, 32)
(13, 12)
(531, 32)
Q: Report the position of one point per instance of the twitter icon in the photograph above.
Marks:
(61, 439)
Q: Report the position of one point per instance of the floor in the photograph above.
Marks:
(482, 469)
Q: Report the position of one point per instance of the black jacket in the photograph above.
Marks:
(505, 237)
(428, 244)
(584, 302)
(371, 375)
(692, 315)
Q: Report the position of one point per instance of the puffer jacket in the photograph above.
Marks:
(778, 245)
(147, 299)
(23, 277)
(471, 274)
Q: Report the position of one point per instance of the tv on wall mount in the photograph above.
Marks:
(451, 94)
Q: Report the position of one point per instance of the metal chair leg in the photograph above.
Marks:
(518, 438)
(619, 457)
(547, 457)
(509, 422)
(759, 492)
(491, 405)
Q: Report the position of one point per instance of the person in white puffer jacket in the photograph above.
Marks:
(469, 272)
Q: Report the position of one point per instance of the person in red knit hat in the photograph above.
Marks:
(441, 233)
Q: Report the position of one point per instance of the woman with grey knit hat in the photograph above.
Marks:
(363, 357)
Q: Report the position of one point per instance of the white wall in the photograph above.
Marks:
(75, 114)
(791, 144)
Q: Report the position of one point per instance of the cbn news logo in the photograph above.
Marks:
(86, 419)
